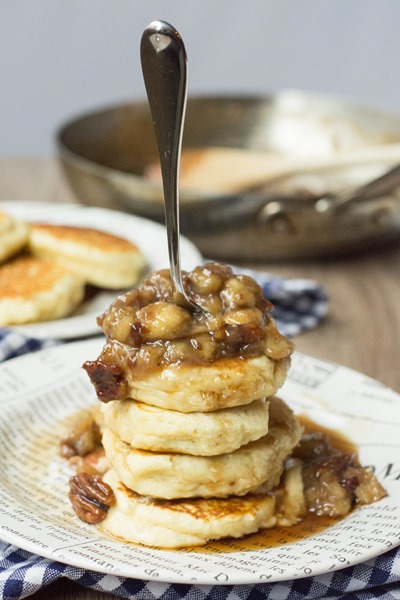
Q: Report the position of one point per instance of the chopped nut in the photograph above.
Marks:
(238, 336)
(94, 463)
(90, 497)
(83, 436)
(107, 378)
(79, 465)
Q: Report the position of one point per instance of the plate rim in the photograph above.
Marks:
(95, 344)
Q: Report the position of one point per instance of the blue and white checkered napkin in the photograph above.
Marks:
(299, 305)
(22, 574)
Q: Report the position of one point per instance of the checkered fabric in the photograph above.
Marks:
(299, 306)
(23, 574)
(13, 343)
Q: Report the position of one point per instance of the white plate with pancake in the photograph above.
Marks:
(150, 237)
(40, 391)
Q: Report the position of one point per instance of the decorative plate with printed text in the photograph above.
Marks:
(39, 391)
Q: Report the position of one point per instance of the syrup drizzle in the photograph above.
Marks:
(280, 536)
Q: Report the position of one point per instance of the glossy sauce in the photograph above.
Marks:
(338, 441)
(279, 536)
(269, 538)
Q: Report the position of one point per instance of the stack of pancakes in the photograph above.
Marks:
(196, 439)
(45, 269)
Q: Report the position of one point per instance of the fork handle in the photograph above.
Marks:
(164, 66)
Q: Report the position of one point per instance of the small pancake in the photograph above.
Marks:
(100, 258)
(36, 290)
(174, 524)
(13, 235)
(221, 384)
(193, 522)
(167, 475)
(150, 428)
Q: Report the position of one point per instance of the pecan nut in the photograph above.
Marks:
(90, 497)
(108, 380)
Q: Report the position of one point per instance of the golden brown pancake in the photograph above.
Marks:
(224, 383)
(168, 475)
(32, 289)
(193, 522)
(173, 524)
(197, 433)
(100, 258)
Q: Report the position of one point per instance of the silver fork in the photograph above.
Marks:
(164, 65)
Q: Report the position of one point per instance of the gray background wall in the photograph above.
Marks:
(61, 57)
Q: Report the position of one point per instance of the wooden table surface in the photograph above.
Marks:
(361, 331)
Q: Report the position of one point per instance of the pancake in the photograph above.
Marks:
(13, 235)
(150, 428)
(174, 524)
(193, 522)
(224, 383)
(100, 258)
(32, 289)
(182, 385)
(161, 352)
(168, 475)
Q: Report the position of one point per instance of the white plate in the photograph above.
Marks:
(150, 237)
(37, 393)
